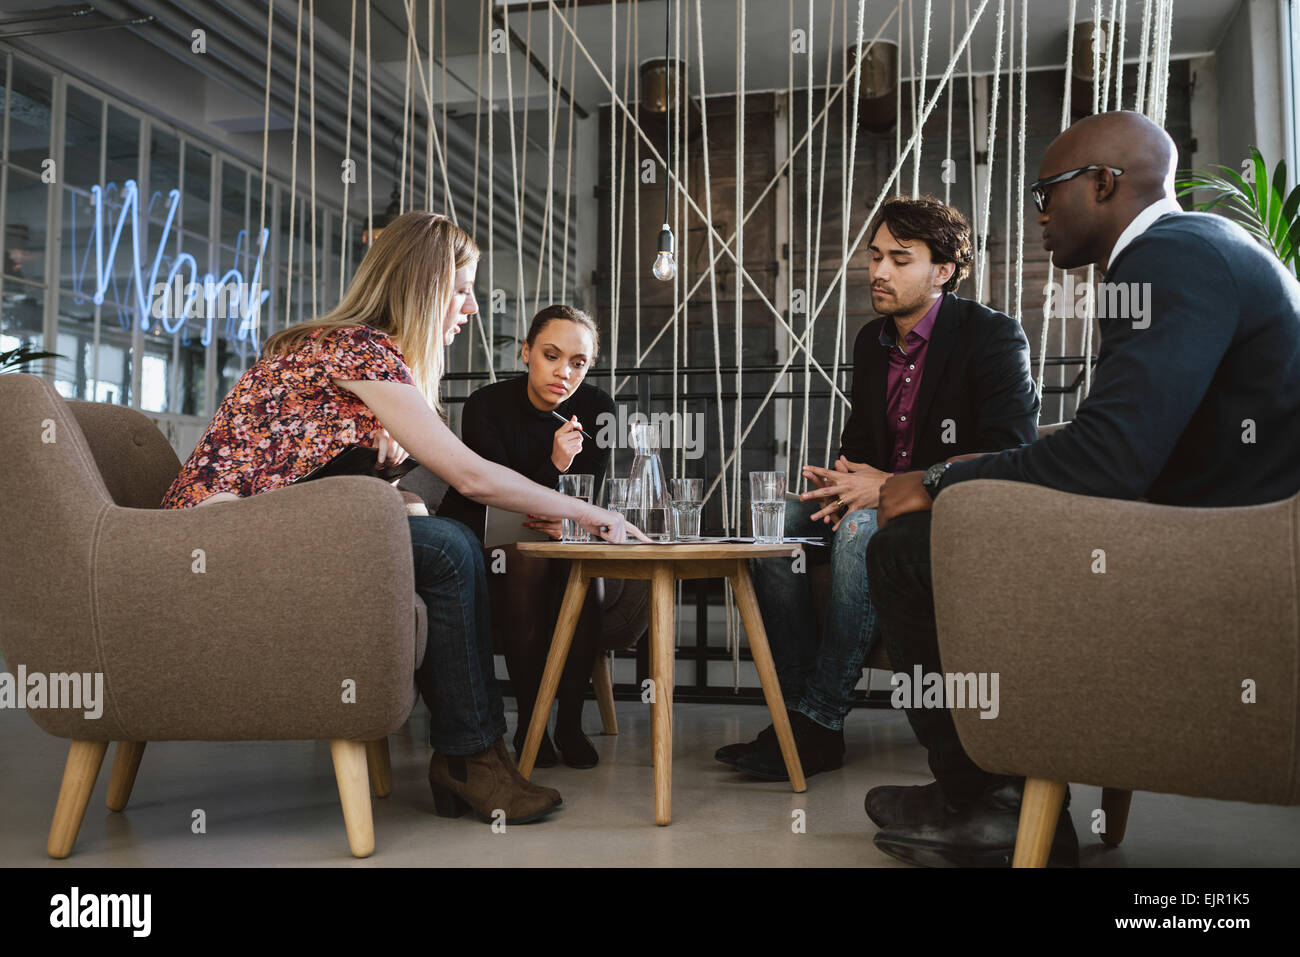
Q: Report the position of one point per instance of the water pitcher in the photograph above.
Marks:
(649, 505)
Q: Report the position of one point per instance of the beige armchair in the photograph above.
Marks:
(1138, 646)
(288, 615)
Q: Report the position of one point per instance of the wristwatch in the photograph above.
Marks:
(933, 476)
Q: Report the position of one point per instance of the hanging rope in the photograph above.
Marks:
(515, 191)
(846, 204)
(1020, 183)
(311, 61)
(266, 135)
(568, 195)
(1119, 66)
(991, 139)
(925, 60)
(1139, 103)
(812, 257)
(293, 164)
(490, 341)
(370, 178)
(347, 149)
(1051, 284)
(952, 93)
(1011, 103)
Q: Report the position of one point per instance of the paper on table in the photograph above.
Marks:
(710, 541)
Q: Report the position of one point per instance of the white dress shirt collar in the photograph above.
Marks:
(1141, 223)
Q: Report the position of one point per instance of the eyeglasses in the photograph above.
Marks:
(1040, 189)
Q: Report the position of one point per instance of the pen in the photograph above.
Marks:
(566, 421)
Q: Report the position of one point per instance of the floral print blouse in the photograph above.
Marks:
(286, 417)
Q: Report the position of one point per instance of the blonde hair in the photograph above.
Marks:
(402, 288)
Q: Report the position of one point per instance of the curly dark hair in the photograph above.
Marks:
(943, 229)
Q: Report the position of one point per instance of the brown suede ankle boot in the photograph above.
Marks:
(486, 782)
(553, 794)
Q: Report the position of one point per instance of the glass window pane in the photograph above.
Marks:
(197, 191)
(234, 192)
(155, 373)
(233, 358)
(25, 210)
(83, 136)
(111, 380)
(122, 155)
(164, 174)
(77, 342)
(77, 256)
(22, 317)
(29, 116)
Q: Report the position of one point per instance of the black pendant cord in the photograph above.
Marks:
(668, 107)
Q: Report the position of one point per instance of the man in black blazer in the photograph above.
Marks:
(1195, 402)
(935, 376)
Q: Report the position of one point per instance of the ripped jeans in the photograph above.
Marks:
(818, 681)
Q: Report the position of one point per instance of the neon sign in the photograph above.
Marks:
(169, 302)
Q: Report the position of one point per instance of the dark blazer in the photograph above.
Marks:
(1197, 403)
(976, 392)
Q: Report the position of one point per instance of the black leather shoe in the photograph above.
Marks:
(982, 834)
(731, 753)
(545, 751)
(895, 804)
(820, 749)
(575, 748)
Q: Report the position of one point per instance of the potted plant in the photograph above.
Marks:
(1259, 203)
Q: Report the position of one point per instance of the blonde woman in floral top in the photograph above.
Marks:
(367, 373)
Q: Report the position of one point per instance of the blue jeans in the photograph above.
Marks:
(456, 678)
(819, 681)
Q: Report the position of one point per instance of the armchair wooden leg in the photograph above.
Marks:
(380, 765)
(354, 794)
(1040, 809)
(603, 684)
(79, 774)
(1114, 805)
(126, 762)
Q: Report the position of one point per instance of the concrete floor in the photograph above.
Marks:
(275, 803)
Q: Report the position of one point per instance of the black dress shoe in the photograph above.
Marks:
(731, 753)
(895, 804)
(982, 834)
(545, 751)
(820, 749)
(575, 748)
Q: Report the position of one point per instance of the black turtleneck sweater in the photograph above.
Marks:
(502, 425)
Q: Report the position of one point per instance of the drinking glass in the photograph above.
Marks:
(579, 486)
(767, 506)
(616, 495)
(688, 503)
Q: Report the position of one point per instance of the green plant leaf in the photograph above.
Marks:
(1262, 189)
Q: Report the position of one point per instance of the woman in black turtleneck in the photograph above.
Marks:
(510, 422)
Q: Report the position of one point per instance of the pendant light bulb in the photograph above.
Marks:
(665, 267)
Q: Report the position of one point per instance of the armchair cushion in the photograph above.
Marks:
(1132, 676)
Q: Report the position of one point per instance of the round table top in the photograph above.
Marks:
(661, 552)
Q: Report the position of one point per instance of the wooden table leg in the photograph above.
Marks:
(758, 647)
(662, 655)
(575, 593)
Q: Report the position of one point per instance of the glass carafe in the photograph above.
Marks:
(649, 505)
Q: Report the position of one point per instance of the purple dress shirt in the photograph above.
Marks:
(902, 384)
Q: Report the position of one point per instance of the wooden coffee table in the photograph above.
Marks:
(662, 565)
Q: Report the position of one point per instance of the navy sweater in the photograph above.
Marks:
(1200, 408)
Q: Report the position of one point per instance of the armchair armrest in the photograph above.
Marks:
(246, 620)
(1122, 633)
